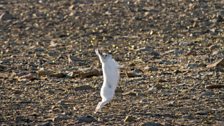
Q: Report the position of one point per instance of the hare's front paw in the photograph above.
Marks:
(96, 51)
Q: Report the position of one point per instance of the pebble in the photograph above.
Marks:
(152, 68)
(202, 113)
(23, 119)
(151, 124)
(86, 119)
(150, 50)
(192, 66)
(207, 93)
(6, 16)
(167, 62)
(60, 117)
(3, 67)
(48, 123)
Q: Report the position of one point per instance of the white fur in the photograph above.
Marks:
(111, 75)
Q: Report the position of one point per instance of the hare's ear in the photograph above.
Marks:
(97, 52)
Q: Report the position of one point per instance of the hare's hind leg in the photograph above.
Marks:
(101, 104)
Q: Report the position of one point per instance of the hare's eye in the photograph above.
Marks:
(105, 55)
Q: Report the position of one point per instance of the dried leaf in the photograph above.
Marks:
(219, 63)
(217, 86)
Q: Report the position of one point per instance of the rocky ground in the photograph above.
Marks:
(172, 52)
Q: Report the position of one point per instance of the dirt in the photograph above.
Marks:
(172, 55)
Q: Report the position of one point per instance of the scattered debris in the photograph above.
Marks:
(219, 63)
(133, 92)
(129, 118)
(3, 67)
(171, 51)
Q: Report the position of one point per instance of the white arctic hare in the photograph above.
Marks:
(111, 75)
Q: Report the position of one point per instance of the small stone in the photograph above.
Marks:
(72, 59)
(147, 48)
(60, 117)
(129, 118)
(192, 66)
(3, 67)
(159, 86)
(29, 76)
(72, 7)
(152, 68)
(187, 116)
(119, 90)
(70, 74)
(53, 53)
(167, 62)
(58, 75)
(217, 86)
(176, 52)
(86, 119)
(202, 113)
(171, 103)
(131, 93)
(6, 16)
(2, 118)
(152, 89)
(207, 93)
(23, 119)
(212, 47)
(219, 123)
(150, 50)
(87, 73)
(4, 124)
(219, 19)
(42, 72)
(135, 73)
(168, 52)
(48, 123)
(53, 44)
(216, 52)
(39, 49)
(151, 124)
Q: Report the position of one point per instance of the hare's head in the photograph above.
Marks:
(106, 57)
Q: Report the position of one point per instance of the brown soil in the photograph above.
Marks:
(172, 52)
